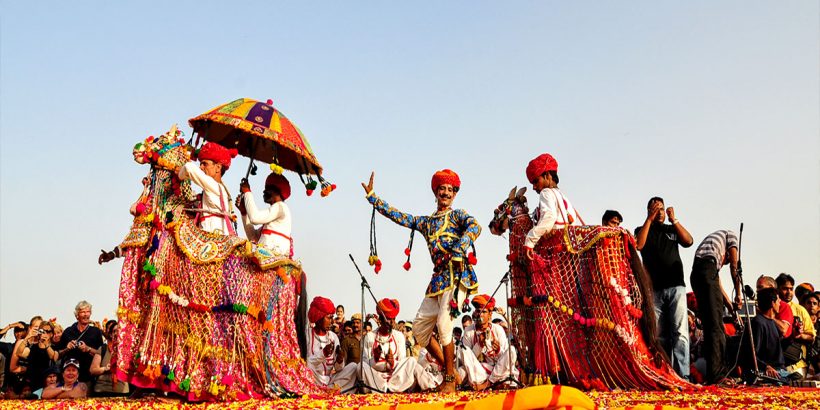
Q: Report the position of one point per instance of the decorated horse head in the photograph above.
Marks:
(205, 315)
(514, 207)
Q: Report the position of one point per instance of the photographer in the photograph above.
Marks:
(18, 377)
(81, 341)
(37, 351)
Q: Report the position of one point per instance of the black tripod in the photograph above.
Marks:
(505, 280)
(360, 384)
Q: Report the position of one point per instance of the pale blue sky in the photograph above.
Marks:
(712, 105)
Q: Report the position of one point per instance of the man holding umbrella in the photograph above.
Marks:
(276, 221)
(449, 234)
(214, 213)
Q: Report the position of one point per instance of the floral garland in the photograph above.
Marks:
(601, 322)
(253, 311)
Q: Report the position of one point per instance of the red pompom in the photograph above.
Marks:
(407, 265)
(269, 102)
(309, 192)
(332, 187)
(472, 259)
(407, 251)
(378, 268)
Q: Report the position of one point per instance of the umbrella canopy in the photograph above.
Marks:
(258, 131)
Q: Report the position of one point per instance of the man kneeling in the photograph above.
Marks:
(486, 356)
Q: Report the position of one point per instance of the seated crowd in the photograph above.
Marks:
(387, 358)
(782, 345)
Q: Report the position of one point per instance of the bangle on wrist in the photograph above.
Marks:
(675, 222)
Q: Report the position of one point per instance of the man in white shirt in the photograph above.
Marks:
(274, 234)
(324, 358)
(486, 356)
(214, 213)
(554, 212)
(385, 365)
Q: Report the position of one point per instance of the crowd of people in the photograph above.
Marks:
(705, 332)
(46, 361)
(703, 338)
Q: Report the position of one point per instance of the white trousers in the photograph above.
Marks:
(479, 372)
(435, 312)
(402, 378)
(345, 379)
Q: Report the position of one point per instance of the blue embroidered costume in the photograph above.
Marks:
(449, 235)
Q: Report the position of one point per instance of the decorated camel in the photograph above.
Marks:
(204, 315)
(582, 307)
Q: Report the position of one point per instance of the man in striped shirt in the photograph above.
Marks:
(717, 249)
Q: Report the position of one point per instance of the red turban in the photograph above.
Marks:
(389, 307)
(445, 177)
(483, 302)
(280, 183)
(540, 165)
(217, 153)
(319, 308)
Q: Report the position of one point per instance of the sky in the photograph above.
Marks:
(715, 106)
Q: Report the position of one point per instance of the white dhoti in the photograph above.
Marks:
(435, 312)
(478, 372)
(400, 379)
(429, 373)
(495, 364)
(345, 379)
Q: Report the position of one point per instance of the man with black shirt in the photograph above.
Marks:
(81, 341)
(658, 243)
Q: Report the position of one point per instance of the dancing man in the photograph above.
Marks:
(385, 365)
(486, 356)
(554, 209)
(214, 213)
(324, 353)
(449, 234)
(274, 234)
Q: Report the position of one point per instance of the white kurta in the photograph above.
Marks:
(325, 369)
(430, 373)
(216, 200)
(554, 213)
(276, 225)
(375, 372)
(482, 362)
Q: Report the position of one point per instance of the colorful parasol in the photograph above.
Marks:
(258, 131)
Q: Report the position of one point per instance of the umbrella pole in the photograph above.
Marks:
(250, 164)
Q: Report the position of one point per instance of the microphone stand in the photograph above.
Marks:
(757, 375)
(360, 384)
(505, 280)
